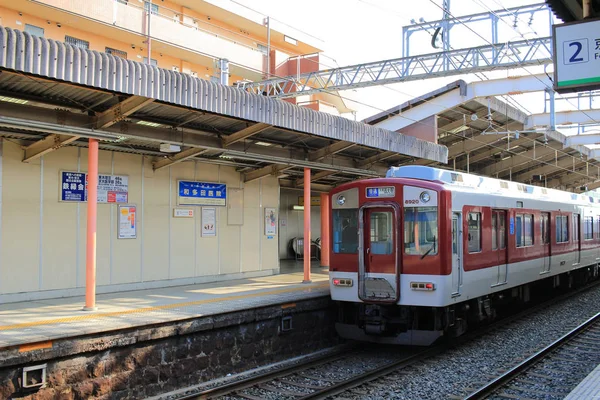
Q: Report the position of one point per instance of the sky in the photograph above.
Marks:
(360, 31)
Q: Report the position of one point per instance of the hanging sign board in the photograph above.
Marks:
(111, 188)
(127, 222)
(314, 201)
(576, 56)
(209, 221)
(191, 193)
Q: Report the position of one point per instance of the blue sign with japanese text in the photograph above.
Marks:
(512, 225)
(111, 188)
(73, 186)
(192, 193)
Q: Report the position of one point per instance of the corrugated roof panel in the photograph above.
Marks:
(21, 52)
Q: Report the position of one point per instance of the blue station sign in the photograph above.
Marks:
(191, 193)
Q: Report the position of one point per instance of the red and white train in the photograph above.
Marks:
(425, 252)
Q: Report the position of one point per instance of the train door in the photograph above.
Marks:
(378, 255)
(499, 247)
(546, 242)
(456, 254)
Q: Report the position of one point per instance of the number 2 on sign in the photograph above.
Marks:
(576, 51)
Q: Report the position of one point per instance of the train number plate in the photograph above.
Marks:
(378, 192)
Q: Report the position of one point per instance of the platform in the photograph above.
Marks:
(44, 320)
(588, 389)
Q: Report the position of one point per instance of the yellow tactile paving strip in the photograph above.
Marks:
(156, 308)
(43, 320)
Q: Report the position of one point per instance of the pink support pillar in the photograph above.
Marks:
(307, 240)
(325, 230)
(92, 214)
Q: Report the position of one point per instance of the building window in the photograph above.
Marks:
(153, 62)
(588, 228)
(562, 229)
(474, 236)
(290, 40)
(524, 230)
(154, 8)
(262, 48)
(116, 53)
(34, 30)
(83, 44)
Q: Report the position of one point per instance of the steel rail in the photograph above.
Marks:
(488, 389)
(269, 376)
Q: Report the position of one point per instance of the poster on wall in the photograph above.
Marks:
(192, 193)
(270, 221)
(209, 221)
(127, 222)
(111, 188)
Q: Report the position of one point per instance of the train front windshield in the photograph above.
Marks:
(420, 230)
(345, 231)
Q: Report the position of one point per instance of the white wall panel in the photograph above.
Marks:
(20, 222)
(166, 248)
(59, 227)
(126, 253)
(182, 229)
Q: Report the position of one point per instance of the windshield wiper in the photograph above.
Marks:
(430, 249)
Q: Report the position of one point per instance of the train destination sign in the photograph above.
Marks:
(384, 191)
(576, 56)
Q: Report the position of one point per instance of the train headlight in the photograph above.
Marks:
(341, 199)
(424, 197)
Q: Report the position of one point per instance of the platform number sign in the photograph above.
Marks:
(577, 56)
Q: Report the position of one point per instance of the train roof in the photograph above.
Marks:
(469, 182)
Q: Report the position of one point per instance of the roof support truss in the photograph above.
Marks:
(273, 169)
(46, 145)
(121, 110)
(244, 133)
(330, 150)
(177, 158)
(314, 177)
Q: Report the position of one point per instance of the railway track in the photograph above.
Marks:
(549, 372)
(355, 371)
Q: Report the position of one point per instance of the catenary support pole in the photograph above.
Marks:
(307, 240)
(92, 208)
(325, 230)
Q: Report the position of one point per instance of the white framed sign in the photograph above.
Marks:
(127, 221)
(209, 221)
(576, 56)
(183, 213)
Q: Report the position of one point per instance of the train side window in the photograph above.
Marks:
(519, 230)
(528, 229)
(575, 227)
(494, 231)
(588, 228)
(474, 235)
(562, 229)
(502, 231)
(545, 228)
